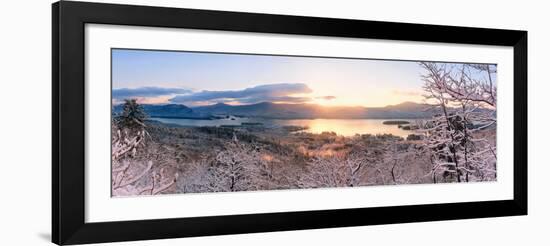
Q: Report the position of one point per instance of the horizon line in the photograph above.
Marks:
(283, 103)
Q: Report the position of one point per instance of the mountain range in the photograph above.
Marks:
(175, 111)
(311, 111)
(406, 110)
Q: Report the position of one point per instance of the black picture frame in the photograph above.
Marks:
(68, 107)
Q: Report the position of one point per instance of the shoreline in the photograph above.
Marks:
(259, 127)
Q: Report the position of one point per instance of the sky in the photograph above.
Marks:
(195, 79)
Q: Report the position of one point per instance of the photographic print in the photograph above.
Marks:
(200, 122)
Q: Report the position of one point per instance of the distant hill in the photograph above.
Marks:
(408, 106)
(408, 110)
(169, 111)
(405, 110)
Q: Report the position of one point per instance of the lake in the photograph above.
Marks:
(345, 127)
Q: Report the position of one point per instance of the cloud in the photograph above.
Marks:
(146, 92)
(263, 93)
(326, 97)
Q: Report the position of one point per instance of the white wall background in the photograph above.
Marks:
(25, 97)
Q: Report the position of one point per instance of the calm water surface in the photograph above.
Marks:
(346, 127)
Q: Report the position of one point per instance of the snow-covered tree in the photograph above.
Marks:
(132, 115)
(239, 167)
(341, 170)
(130, 176)
(466, 97)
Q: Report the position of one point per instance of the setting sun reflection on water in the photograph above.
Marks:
(349, 127)
(345, 127)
